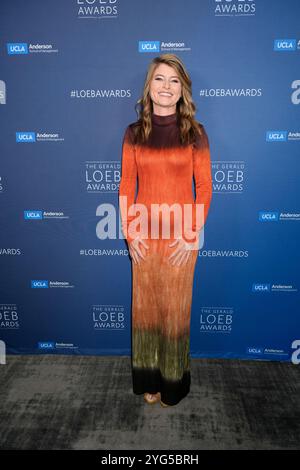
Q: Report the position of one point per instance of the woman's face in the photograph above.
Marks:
(165, 89)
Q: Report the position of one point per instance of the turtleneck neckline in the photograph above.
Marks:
(164, 120)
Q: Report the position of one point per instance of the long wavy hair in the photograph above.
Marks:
(185, 106)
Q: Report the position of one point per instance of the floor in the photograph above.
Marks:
(86, 402)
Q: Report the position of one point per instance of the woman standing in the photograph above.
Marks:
(164, 149)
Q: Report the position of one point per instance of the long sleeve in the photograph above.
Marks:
(128, 182)
(203, 179)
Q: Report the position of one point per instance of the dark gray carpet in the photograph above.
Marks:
(86, 402)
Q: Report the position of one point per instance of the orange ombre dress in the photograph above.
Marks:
(162, 292)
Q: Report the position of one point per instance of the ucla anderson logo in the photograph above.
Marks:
(268, 216)
(276, 136)
(285, 45)
(17, 48)
(149, 46)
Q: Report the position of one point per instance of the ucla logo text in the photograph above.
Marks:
(267, 216)
(46, 345)
(17, 48)
(252, 350)
(256, 287)
(149, 46)
(25, 137)
(285, 45)
(39, 284)
(33, 215)
(276, 136)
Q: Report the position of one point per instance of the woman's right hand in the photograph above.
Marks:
(135, 249)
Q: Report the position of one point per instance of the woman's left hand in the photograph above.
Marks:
(183, 250)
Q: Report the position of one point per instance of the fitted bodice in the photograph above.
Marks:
(164, 168)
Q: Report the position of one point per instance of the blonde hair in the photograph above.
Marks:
(185, 106)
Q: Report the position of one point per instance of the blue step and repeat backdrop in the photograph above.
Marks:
(71, 72)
